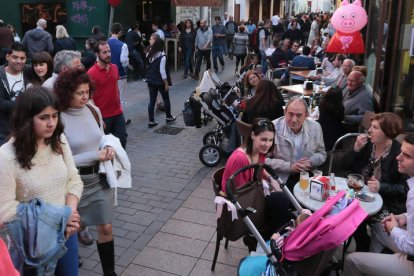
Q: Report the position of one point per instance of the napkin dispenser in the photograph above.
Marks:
(319, 71)
(308, 85)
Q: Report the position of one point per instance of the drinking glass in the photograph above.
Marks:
(317, 173)
(304, 182)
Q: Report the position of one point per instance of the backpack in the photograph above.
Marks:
(254, 38)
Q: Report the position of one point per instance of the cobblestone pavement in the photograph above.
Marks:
(164, 224)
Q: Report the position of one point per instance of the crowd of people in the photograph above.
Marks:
(61, 92)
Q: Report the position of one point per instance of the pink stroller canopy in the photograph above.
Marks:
(321, 232)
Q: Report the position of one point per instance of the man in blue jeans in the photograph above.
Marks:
(219, 41)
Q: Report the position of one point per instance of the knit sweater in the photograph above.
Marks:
(85, 147)
(51, 178)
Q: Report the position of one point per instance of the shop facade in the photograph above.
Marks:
(389, 56)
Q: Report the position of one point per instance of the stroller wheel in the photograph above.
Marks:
(210, 155)
(209, 138)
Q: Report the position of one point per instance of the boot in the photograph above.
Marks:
(106, 252)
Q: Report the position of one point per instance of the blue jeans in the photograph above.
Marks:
(68, 264)
(218, 52)
(264, 62)
(153, 93)
(188, 60)
(116, 126)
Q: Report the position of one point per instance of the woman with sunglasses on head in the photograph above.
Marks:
(74, 89)
(258, 145)
(374, 157)
(42, 68)
(37, 163)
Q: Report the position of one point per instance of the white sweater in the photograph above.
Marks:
(51, 178)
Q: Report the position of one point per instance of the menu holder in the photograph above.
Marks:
(316, 190)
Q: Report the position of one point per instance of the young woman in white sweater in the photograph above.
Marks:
(37, 163)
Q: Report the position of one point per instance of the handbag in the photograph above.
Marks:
(249, 195)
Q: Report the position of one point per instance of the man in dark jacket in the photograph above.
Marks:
(38, 39)
(6, 40)
(133, 40)
(231, 30)
(14, 78)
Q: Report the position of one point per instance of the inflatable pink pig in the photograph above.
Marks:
(348, 20)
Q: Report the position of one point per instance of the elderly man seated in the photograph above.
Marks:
(299, 143)
(357, 99)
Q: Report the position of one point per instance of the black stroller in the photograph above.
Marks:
(216, 100)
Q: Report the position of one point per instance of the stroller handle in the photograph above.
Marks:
(230, 183)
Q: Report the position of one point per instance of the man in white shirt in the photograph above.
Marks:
(335, 75)
(13, 81)
(158, 31)
(399, 227)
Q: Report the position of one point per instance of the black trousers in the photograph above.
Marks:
(200, 55)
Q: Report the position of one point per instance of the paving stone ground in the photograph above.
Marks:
(165, 224)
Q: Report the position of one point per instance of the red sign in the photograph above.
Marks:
(212, 3)
(114, 3)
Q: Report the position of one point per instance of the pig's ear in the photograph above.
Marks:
(357, 3)
(345, 2)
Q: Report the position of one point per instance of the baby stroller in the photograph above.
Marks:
(308, 248)
(217, 100)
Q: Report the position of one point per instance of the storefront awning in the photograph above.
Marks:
(212, 3)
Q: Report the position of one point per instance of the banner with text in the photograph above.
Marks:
(208, 3)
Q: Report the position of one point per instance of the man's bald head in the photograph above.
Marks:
(203, 23)
(355, 80)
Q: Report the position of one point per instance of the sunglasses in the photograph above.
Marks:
(265, 124)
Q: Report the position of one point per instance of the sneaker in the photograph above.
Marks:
(195, 77)
(128, 122)
(144, 80)
(170, 119)
(152, 124)
(222, 67)
(184, 76)
(85, 237)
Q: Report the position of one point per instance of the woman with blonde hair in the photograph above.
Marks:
(63, 40)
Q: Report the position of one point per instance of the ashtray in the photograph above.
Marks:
(365, 196)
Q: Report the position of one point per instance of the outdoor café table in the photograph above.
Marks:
(303, 74)
(296, 89)
(371, 208)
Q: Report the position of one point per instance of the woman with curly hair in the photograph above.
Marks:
(37, 163)
(251, 79)
(74, 89)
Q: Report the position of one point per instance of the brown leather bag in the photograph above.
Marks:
(249, 195)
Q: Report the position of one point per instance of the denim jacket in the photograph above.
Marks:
(37, 236)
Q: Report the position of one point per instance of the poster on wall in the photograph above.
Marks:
(184, 13)
(53, 13)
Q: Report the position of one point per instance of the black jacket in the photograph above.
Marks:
(66, 43)
(7, 103)
(393, 185)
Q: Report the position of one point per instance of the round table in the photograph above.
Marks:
(370, 207)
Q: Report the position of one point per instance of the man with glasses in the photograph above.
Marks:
(14, 79)
(299, 143)
(63, 60)
(219, 42)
